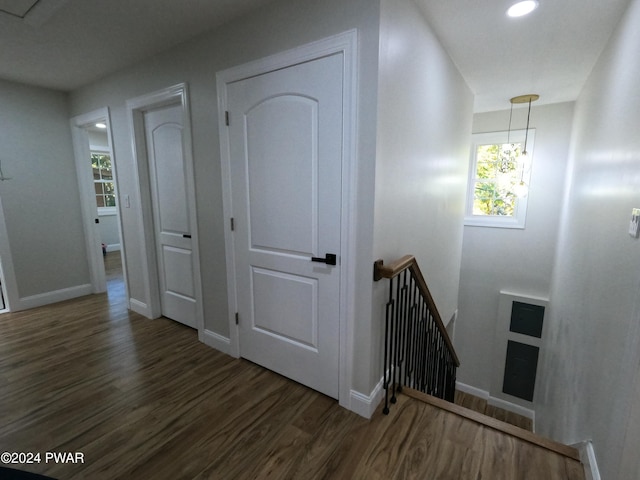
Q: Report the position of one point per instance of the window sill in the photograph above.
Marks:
(107, 211)
(494, 222)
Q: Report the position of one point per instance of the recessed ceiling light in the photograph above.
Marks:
(101, 125)
(522, 8)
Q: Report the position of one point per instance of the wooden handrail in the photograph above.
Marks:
(392, 270)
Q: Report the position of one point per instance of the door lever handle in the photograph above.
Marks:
(329, 259)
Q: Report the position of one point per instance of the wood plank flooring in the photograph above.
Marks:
(480, 405)
(143, 399)
(498, 425)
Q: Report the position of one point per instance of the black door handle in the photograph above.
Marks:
(329, 259)
(186, 235)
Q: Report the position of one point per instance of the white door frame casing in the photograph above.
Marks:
(345, 43)
(7, 273)
(82, 152)
(174, 95)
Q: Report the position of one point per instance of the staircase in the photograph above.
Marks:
(444, 441)
(420, 362)
(480, 405)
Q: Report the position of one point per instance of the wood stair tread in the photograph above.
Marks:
(494, 423)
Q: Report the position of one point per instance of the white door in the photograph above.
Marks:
(165, 150)
(285, 137)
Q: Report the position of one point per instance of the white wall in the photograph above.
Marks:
(109, 234)
(98, 139)
(280, 26)
(48, 254)
(595, 295)
(518, 260)
(424, 122)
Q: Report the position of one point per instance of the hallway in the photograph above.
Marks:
(144, 399)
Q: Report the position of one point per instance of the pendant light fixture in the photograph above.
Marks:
(524, 99)
(522, 189)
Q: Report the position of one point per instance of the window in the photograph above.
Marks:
(103, 181)
(498, 179)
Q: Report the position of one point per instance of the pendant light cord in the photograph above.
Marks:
(509, 131)
(526, 133)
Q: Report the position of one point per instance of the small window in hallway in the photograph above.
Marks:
(103, 181)
(498, 179)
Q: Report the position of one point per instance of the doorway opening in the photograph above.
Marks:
(97, 181)
(104, 186)
(4, 306)
(163, 162)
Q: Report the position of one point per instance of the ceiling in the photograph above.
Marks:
(17, 8)
(550, 52)
(65, 44)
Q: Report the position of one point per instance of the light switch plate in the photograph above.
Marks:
(634, 224)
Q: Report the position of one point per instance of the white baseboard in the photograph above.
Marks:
(513, 408)
(139, 307)
(215, 340)
(366, 405)
(476, 392)
(113, 247)
(55, 296)
(588, 459)
(498, 402)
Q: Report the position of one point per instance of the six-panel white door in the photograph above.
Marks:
(165, 150)
(285, 138)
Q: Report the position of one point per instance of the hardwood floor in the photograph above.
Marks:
(143, 399)
(115, 279)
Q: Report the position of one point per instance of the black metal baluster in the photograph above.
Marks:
(408, 367)
(392, 341)
(440, 364)
(387, 340)
(408, 363)
(436, 364)
(422, 355)
(416, 351)
(416, 341)
(452, 391)
(396, 340)
(433, 355)
(404, 320)
(447, 383)
(426, 353)
(417, 376)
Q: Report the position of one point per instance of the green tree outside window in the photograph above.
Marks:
(497, 174)
(103, 179)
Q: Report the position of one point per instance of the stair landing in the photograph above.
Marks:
(523, 447)
(480, 405)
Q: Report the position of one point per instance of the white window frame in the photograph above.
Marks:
(105, 211)
(518, 219)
